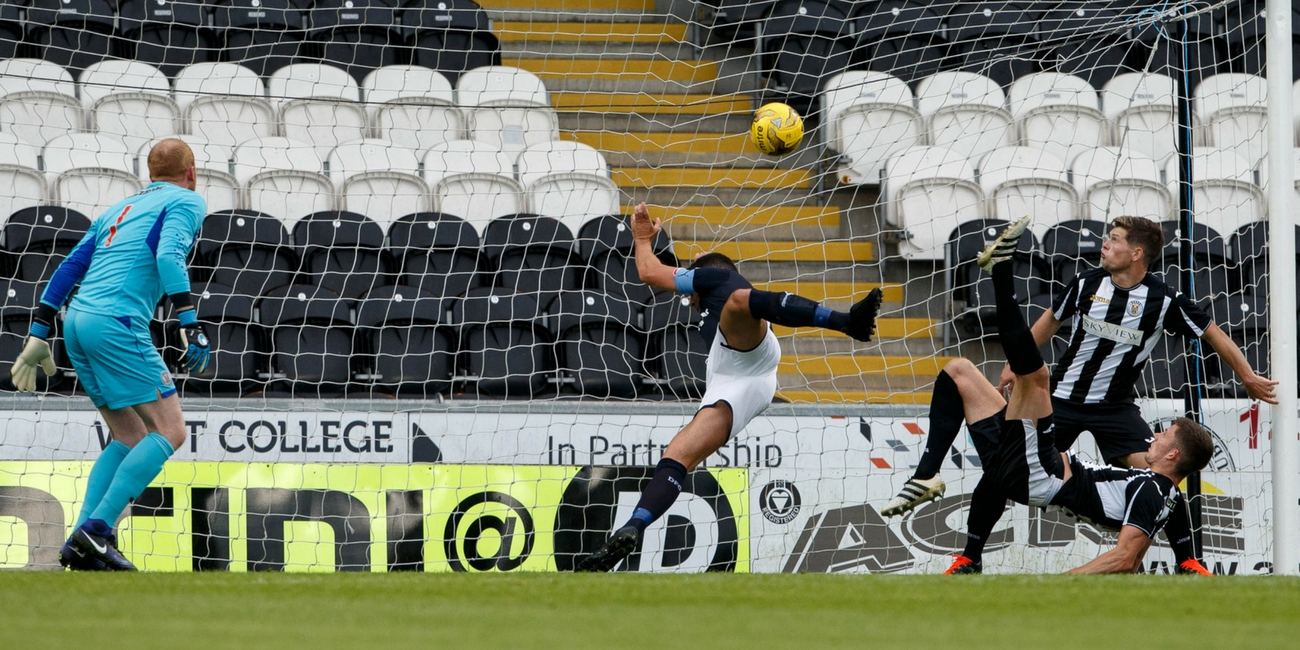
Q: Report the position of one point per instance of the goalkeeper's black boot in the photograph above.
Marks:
(862, 317)
(99, 551)
(620, 545)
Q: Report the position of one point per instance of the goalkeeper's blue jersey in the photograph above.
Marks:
(133, 253)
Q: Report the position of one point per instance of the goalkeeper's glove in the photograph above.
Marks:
(35, 353)
(1193, 565)
(194, 341)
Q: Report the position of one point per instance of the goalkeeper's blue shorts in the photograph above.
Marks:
(115, 359)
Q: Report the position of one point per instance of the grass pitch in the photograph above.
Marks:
(321, 612)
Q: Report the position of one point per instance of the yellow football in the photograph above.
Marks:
(776, 130)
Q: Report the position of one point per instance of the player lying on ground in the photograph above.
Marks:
(1017, 447)
(132, 254)
(742, 367)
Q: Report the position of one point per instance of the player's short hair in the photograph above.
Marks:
(1195, 447)
(1142, 233)
(714, 261)
(169, 160)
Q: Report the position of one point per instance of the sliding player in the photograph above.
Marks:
(742, 363)
(1020, 460)
(132, 254)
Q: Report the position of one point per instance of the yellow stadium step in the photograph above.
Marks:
(852, 397)
(766, 178)
(755, 216)
(836, 291)
(886, 328)
(648, 103)
(594, 32)
(778, 251)
(843, 365)
(618, 68)
(645, 6)
(662, 141)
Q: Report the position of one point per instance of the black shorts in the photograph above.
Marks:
(1118, 428)
(1021, 455)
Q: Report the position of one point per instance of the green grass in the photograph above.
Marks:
(103, 611)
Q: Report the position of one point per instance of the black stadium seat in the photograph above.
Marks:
(356, 35)
(37, 239)
(262, 35)
(245, 250)
(450, 36)
(71, 33)
(435, 252)
(237, 346)
(734, 19)
(1206, 50)
(531, 254)
(1249, 246)
(505, 348)
(405, 344)
(1072, 247)
(1212, 274)
(992, 38)
(1244, 317)
(605, 245)
(900, 37)
(804, 42)
(166, 34)
(11, 31)
(598, 345)
(310, 339)
(18, 300)
(342, 252)
(676, 356)
(1088, 40)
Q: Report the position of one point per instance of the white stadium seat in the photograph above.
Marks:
(507, 107)
(1224, 193)
(38, 101)
(928, 192)
(318, 104)
(1231, 108)
(412, 105)
(216, 184)
(569, 181)
(379, 179)
(24, 184)
(965, 112)
(129, 99)
(868, 116)
(224, 103)
(88, 172)
(283, 178)
(1140, 105)
(474, 181)
(1025, 180)
(1058, 112)
(1113, 182)
(1295, 173)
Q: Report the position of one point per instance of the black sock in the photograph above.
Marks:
(946, 416)
(1017, 341)
(794, 311)
(1178, 528)
(659, 496)
(986, 505)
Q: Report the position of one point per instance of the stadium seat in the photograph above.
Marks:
(1091, 40)
(248, 251)
(472, 180)
(993, 38)
(71, 33)
(237, 348)
(214, 181)
(1059, 113)
(1113, 182)
(130, 100)
(606, 245)
(730, 20)
(1244, 318)
(1231, 108)
(11, 30)
(507, 107)
(1166, 372)
(568, 181)
(1212, 272)
(900, 37)
(1141, 106)
(598, 346)
(224, 103)
(405, 345)
(1072, 247)
(869, 116)
(310, 336)
(380, 179)
(1249, 246)
(803, 43)
(342, 252)
(450, 36)
(262, 35)
(1224, 192)
(970, 285)
(18, 300)
(533, 255)
(282, 177)
(169, 35)
(1206, 50)
(436, 253)
(356, 35)
(412, 105)
(965, 112)
(37, 239)
(927, 192)
(676, 355)
(1245, 24)
(89, 172)
(19, 165)
(1022, 180)
(505, 348)
(38, 101)
(318, 104)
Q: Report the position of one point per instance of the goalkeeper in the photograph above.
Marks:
(133, 253)
(742, 363)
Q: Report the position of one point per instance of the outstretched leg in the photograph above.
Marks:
(790, 310)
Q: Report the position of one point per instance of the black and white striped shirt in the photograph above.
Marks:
(1112, 497)
(1114, 332)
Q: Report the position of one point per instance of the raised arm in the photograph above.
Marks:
(652, 271)
(1260, 388)
(1126, 557)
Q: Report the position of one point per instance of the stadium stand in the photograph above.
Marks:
(507, 107)
(310, 336)
(965, 112)
(804, 42)
(903, 38)
(411, 104)
(994, 39)
(598, 348)
(224, 103)
(403, 345)
(169, 34)
(605, 246)
(37, 239)
(282, 177)
(1230, 108)
(1058, 113)
(567, 181)
(1027, 180)
(474, 179)
(88, 172)
(1113, 182)
(130, 100)
(1141, 106)
(72, 33)
(248, 251)
(450, 36)
(1225, 194)
(38, 101)
(379, 179)
(317, 104)
(262, 35)
(356, 35)
(869, 116)
(20, 174)
(928, 192)
(435, 253)
(505, 345)
(342, 252)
